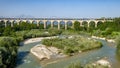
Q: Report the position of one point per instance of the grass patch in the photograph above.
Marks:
(72, 45)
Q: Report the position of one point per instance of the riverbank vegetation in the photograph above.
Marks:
(70, 45)
(108, 29)
(8, 52)
(37, 33)
(118, 45)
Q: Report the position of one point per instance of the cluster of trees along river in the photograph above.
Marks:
(10, 37)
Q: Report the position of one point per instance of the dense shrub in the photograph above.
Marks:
(118, 45)
(8, 52)
(37, 33)
(72, 45)
(54, 31)
(77, 25)
(74, 65)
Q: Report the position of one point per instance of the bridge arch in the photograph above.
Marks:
(28, 21)
(34, 22)
(62, 24)
(21, 21)
(41, 24)
(25, 21)
(69, 24)
(92, 24)
(8, 23)
(85, 23)
(48, 24)
(55, 24)
(15, 23)
(2, 23)
(99, 23)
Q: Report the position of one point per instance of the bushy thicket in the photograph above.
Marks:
(37, 33)
(8, 52)
(6, 31)
(106, 29)
(74, 65)
(72, 45)
(118, 45)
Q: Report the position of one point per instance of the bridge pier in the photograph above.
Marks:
(45, 25)
(51, 24)
(81, 23)
(65, 25)
(58, 25)
(73, 24)
(96, 24)
(38, 23)
(5, 21)
(12, 24)
(88, 22)
(5, 24)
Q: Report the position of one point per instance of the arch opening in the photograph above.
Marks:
(2, 24)
(48, 24)
(55, 24)
(92, 24)
(41, 24)
(8, 23)
(69, 24)
(62, 24)
(85, 23)
(99, 24)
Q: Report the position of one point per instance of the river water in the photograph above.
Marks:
(27, 60)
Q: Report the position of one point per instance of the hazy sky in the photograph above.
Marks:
(61, 8)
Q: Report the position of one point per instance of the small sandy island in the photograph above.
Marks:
(44, 52)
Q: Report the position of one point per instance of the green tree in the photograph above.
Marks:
(117, 23)
(77, 25)
(8, 52)
(118, 45)
(8, 31)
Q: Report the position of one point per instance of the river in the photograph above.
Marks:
(27, 60)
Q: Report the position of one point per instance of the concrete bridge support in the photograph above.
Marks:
(65, 25)
(45, 24)
(51, 23)
(38, 23)
(58, 25)
(81, 23)
(96, 24)
(73, 24)
(5, 24)
(5, 21)
(88, 22)
(12, 24)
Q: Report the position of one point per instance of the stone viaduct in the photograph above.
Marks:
(38, 21)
